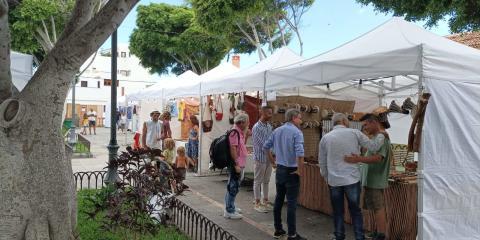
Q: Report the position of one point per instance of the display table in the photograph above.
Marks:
(400, 200)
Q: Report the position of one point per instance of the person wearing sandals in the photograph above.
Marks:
(192, 144)
(263, 167)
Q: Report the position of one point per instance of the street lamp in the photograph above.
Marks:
(112, 174)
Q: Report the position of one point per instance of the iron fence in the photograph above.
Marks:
(197, 226)
(192, 223)
(90, 180)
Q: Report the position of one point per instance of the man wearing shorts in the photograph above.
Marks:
(92, 121)
(375, 171)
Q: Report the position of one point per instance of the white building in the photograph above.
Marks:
(94, 86)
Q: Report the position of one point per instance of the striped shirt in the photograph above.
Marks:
(260, 133)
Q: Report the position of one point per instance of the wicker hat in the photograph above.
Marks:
(382, 114)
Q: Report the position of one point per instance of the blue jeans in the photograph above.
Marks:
(233, 186)
(287, 185)
(352, 192)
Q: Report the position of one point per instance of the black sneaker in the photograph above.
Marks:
(296, 237)
(279, 233)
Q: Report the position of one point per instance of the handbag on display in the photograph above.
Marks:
(218, 113)
(207, 124)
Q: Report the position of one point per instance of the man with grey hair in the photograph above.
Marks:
(343, 178)
(287, 142)
(238, 153)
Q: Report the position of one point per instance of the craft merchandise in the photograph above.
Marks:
(219, 109)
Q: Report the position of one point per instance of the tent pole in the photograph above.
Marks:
(264, 101)
(420, 173)
(381, 93)
(200, 134)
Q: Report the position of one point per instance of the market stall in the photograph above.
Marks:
(448, 193)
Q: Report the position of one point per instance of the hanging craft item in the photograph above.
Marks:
(415, 133)
(231, 97)
(241, 102)
(181, 110)
(207, 123)
(409, 105)
(314, 109)
(395, 108)
(219, 109)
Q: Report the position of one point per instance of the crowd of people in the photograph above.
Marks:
(157, 135)
(349, 160)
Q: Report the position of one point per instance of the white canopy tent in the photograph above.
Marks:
(252, 78)
(157, 90)
(449, 166)
(368, 96)
(193, 89)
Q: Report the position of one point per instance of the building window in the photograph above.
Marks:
(125, 72)
(83, 83)
(108, 82)
(123, 54)
(98, 84)
(123, 91)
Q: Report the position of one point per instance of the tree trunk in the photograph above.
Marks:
(37, 191)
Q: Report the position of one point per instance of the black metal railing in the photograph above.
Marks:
(90, 180)
(197, 226)
(192, 223)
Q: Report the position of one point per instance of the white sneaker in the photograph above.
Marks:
(238, 210)
(268, 206)
(260, 208)
(233, 216)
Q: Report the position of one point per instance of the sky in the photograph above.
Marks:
(328, 24)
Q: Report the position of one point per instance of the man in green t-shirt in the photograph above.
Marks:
(375, 171)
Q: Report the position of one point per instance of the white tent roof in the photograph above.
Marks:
(395, 48)
(170, 82)
(252, 78)
(449, 166)
(220, 71)
(21, 66)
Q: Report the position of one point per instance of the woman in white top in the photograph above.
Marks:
(152, 132)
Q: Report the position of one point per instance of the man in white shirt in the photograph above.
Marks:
(343, 178)
(92, 121)
(152, 132)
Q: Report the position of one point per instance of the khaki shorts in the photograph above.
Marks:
(373, 199)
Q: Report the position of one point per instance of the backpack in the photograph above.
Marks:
(220, 157)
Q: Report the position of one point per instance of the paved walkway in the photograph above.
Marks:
(207, 194)
(99, 150)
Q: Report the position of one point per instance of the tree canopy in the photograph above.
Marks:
(462, 15)
(35, 24)
(253, 24)
(168, 39)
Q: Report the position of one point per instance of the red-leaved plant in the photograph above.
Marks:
(142, 200)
